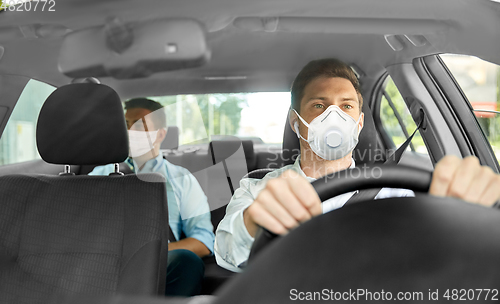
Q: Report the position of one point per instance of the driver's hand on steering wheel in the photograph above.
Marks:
(290, 199)
(465, 179)
(285, 202)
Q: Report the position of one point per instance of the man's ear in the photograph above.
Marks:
(361, 122)
(293, 119)
(161, 135)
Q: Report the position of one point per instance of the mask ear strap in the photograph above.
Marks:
(301, 119)
(296, 126)
(357, 124)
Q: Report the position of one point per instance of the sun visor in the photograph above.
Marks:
(134, 50)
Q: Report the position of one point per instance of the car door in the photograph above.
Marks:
(429, 89)
(395, 125)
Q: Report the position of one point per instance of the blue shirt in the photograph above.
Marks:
(188, 209)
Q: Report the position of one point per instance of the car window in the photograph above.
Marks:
(258, 116)
(18, 141)
(397, 121)
(480, 81)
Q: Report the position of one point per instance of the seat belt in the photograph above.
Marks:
(171, 236)
(126, 168)
(394, 158)
(363, 195)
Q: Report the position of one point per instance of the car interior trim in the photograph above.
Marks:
(437, 136)
(463, 112)
(11, 87)
(383, 139)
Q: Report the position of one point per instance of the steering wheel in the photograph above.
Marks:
(359, 178)
(426, 246)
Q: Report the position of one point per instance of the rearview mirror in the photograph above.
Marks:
(134, 50)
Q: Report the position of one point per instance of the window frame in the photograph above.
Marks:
(11, 88)
(385, 141)
(15, 89)
(391, 104)
(457, 110)
(416, 92)
(375, 104)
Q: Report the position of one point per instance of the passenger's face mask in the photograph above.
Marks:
(141, 142)
(331, 135)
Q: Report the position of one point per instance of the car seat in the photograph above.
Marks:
(73, 235)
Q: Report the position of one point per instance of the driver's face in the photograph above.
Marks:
(323, 92)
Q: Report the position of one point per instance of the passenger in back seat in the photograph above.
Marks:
(326, 116)
(188, 209)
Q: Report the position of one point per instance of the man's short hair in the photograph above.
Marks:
(159, 118)
(328, 67)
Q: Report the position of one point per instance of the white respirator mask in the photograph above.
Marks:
(141, 142)
(331, 135)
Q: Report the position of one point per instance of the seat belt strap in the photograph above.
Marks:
(171, 236)
(395, 157)
(363, 195)
(126, 169)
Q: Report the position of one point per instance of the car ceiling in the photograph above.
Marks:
(262, 43)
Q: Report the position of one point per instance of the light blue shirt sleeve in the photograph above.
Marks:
(102, 170)
(233, 242)
(394, 192)
(195, 212)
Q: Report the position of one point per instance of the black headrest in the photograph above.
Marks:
(366, 151)
(223, 149)
(250, 155)
(171, 140)
(82, 124)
